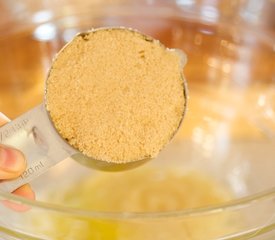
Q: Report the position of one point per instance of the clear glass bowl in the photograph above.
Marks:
(227, 136)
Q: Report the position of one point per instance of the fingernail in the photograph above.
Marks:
(11, 160)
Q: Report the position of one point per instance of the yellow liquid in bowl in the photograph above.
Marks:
(144, 190)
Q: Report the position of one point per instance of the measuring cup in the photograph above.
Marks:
(35, 135)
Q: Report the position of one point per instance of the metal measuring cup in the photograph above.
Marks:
(35, 135)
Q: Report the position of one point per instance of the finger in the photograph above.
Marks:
(12, 163)
(23, 191)
(14, 160)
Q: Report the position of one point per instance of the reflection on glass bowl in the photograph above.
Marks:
(214, 181)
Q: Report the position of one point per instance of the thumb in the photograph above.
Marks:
(12, 163)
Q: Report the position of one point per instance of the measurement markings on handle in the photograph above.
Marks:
(12, 128)
(32, 170)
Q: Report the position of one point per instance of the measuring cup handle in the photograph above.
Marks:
(33, 134)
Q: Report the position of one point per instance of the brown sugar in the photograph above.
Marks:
(116, 95)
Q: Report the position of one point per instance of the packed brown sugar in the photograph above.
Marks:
(116, 95)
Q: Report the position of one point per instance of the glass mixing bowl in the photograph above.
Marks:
(227, 139)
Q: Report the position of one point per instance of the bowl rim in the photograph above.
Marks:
(234, 204)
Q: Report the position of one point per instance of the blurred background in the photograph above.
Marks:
(227, 136)
(32, 31)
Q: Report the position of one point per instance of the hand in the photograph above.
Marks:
(12, 165)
